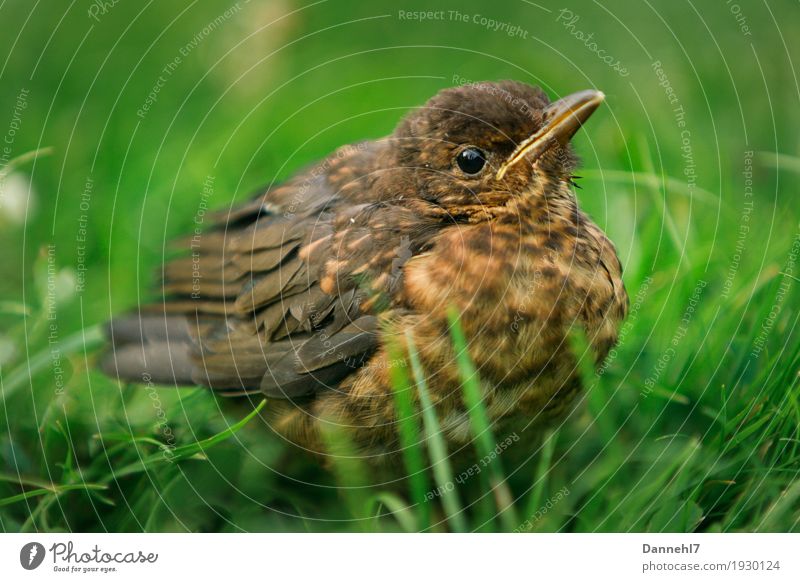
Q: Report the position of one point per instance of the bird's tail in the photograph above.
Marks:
(147, 348)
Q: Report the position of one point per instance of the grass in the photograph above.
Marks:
(692, 423)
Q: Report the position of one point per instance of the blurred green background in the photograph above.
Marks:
(691, 168)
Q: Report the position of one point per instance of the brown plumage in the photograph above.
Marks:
(467, 204)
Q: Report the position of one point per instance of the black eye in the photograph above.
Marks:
(471, 160)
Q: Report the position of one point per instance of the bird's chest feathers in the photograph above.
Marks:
(517, 290)
(494, 276)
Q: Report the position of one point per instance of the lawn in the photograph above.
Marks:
(123, 122)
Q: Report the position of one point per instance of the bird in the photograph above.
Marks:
(302, 293)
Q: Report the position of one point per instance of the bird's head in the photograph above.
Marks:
(482, 146)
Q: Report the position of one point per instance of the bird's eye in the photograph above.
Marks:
(471, 160)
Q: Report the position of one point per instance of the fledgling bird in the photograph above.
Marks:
(298, 293)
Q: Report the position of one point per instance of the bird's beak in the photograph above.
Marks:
(561, 120)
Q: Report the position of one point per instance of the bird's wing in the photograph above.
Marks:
(243, 307)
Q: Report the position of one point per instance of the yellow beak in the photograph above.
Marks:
(561, 120)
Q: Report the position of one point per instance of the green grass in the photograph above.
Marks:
(692, 423)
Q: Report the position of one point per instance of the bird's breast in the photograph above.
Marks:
(518, 292)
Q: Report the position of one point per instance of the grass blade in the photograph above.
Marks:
(402, 513)
(350, 471)
(479, 422)
(21, 376)
(410, 437)
(187, 451)
(542, 468)
(55, 490)
(442, 471)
